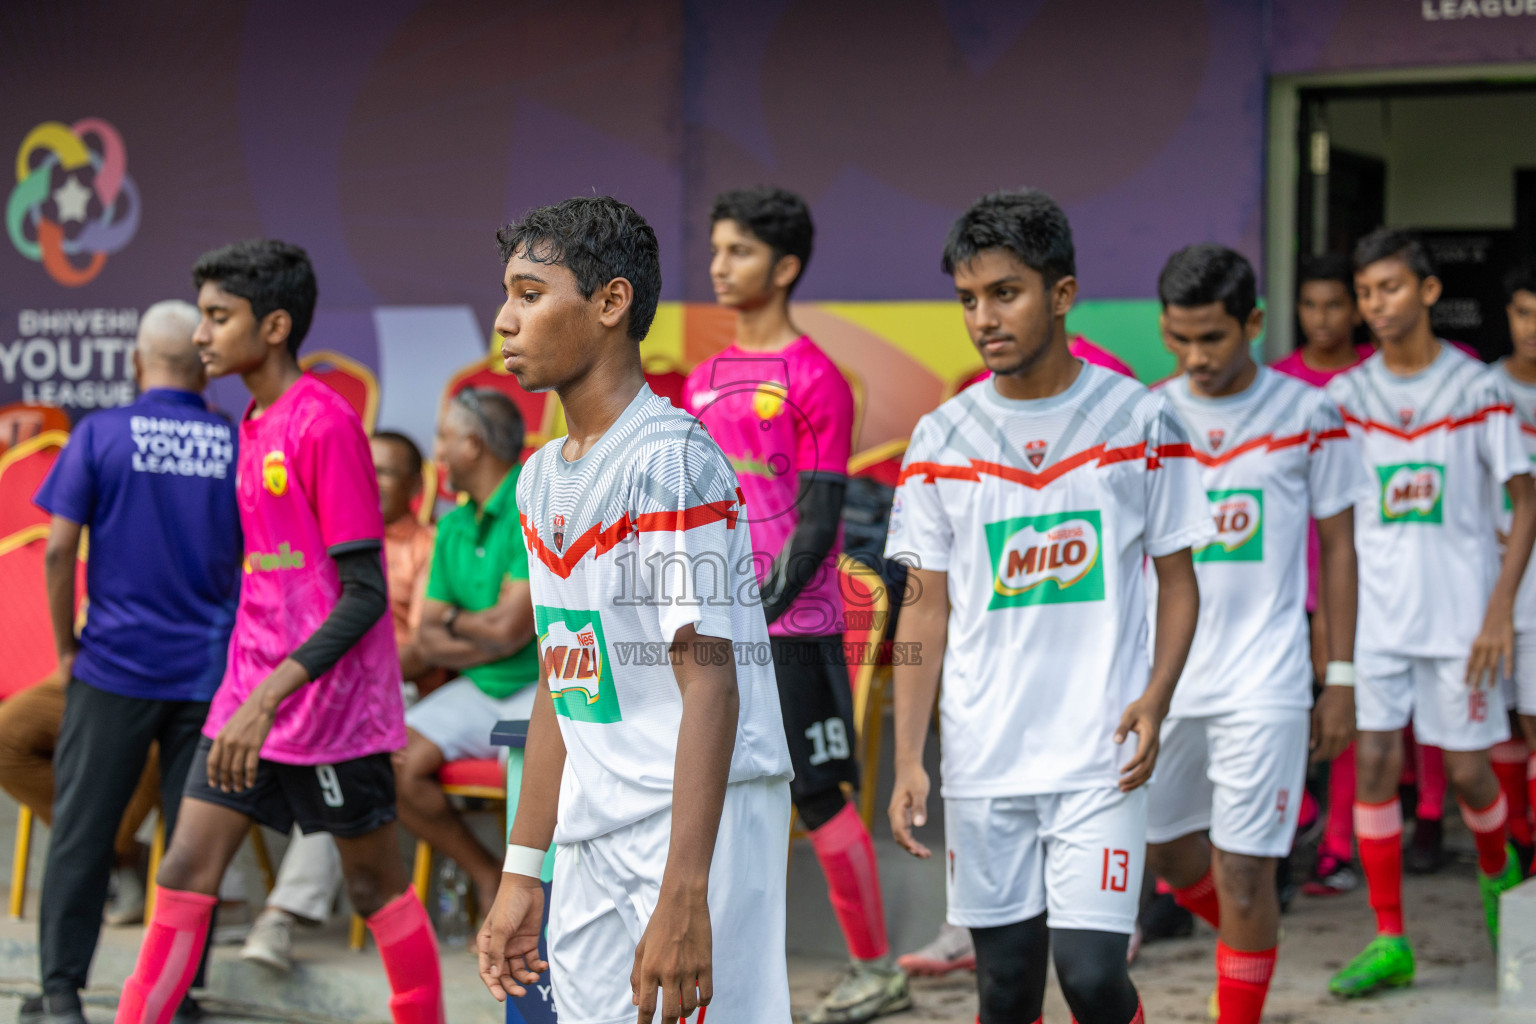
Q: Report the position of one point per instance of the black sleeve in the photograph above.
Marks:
(363, 600)
(821, 509)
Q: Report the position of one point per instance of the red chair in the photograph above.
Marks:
(348, 378)
(22, 471)
(22, 421)
(666, 378)
(539, 409)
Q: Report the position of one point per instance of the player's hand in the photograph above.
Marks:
(674, 955)
(236, 751)
(909, 808)
(67, 667)
(1333, 722)
(1144, 718)
(508, 942)
(1493, 652)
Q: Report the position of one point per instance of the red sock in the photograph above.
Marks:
(1487, 827)
(1242, 982)
(1379, 834)
(847, 858)
(1200, 900)
(408, 947)
(172, 948)
(1530, 785)
(1509, 765)
(1431, 783)
(1339, 833)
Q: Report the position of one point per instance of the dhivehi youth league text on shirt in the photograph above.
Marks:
(1272, 458)
(1435, 444)
(1041, 513)
(628, 544)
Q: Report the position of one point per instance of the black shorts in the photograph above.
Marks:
(817, 703)
(348, 800)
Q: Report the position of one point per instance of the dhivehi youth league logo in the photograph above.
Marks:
(1049, 559)
(575, 663)
(73, 202)
(1239, 517)
(1411, 492)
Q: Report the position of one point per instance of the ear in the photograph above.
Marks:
(1255, 325)
(275, 327)
(1430, 290)
(785, 271)
(1063, 295)
(613, 301)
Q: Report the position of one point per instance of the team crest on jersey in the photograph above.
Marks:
(1239, 517)
(559, 522)
(1034, 451)
(1411, 492)
(574, 658)
(1049, 559)
(1215, 437)
(274, 473)
(768, 400)
(1405, 417)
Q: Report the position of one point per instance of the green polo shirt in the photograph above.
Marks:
(476, 549)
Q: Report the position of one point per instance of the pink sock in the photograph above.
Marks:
(408, 947)
(1200, 900)
(847, 858)
(1487, 825)
(1431, 783)
(1339, 833)
(168, 958)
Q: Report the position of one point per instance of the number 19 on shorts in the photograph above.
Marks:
(1117, 871)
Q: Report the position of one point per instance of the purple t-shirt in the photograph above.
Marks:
(155, 484)
(308, 491)
(779, 416)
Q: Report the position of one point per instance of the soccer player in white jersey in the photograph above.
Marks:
(1436, 629)
(1274, 454)
(1514, 761)
(658, 750)
(1026, 508)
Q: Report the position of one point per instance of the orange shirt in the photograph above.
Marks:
(407, 557)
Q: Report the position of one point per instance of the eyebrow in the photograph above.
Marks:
(1010, 279)
(528, 277)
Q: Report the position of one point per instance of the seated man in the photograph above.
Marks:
(310, 877)
(478, 620)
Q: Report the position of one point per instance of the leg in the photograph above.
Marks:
(146, 797)
(1179, 804)
(29, 732)
(1011, 963)
(426, 813)
(1483, 807)
(1094, 978)
(1528, 727)
(1250, 933)
(377, 887)
(1379, 825)
(1339, 835)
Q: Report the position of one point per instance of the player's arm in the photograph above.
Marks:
(674, 953)
(1333, 717)
(806, 550)
(364, 599)
(1493, 652)
(505, 627)
(1178, 608)
(922, 628)
(59, 557)
(509, 939)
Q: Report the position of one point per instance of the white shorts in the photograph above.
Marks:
(457, 718)
(1240, 775)
(1078, 856)
(1391, 690)
(1520, 688)
(605, 890)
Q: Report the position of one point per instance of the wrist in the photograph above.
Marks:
(1340, 674)
(449, 620)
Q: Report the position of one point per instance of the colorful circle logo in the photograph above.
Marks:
(73, 202)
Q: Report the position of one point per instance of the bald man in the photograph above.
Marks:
(155, 484)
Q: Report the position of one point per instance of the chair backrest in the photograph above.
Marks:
(26, 634)
(666, 378)
(22, 471)
(866, 616)
(538, 409)
(348, 378)
(22, 421)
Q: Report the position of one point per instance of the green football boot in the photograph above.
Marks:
(1494, 887)
(1386, 963)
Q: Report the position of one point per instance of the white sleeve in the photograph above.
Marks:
(684, 501)
(1178, 510)
(1499, 435)
(920, 532)
(1336, 476)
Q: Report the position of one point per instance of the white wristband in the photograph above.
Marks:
(524, 860)
(1340, 673)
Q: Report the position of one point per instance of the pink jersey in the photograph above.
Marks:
(307, 488)
(779, 416)
(1083, 349)
(1295, 366)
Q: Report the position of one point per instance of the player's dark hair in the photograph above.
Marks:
(498, 423)
(1389, 244)
(1520, 278)
(1330, 266)
(270, 275)
(1199, 275)
(1025, 222)
(774, 216)
(596, 238)
(413, 458)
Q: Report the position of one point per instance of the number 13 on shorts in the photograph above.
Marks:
(1116, 872)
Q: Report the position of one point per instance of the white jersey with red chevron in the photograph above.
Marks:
(626, 545)
(1272, 457)
(1435, 445)
(1041, 513)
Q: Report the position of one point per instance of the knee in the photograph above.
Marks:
(365, 891)
(1244, 884)
(1377, 756)
(1468, 771)
(1092, 981)
(185, 870)
(418, 763)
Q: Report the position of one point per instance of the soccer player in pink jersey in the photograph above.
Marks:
(783, 414)
(301, 729)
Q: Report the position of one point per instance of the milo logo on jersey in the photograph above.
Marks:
(1051, 559)
(1239, 516)
(574, 658)
(1411, 492)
